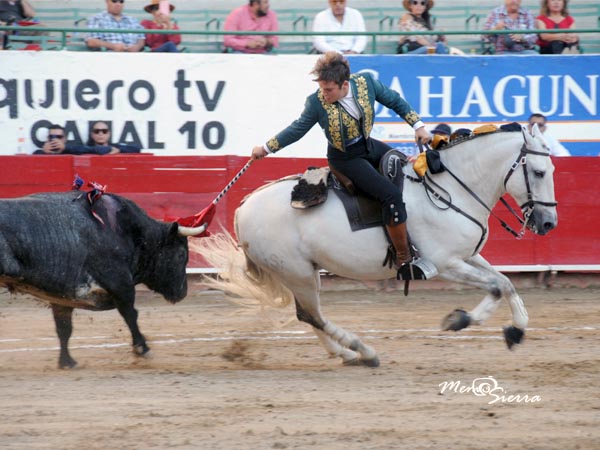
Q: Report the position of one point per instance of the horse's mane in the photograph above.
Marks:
(508, 128)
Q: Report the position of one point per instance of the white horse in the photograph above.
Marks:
(284, 248)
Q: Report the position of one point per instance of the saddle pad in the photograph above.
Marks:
(363, 212)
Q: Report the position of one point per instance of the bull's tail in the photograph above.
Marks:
(239, 276)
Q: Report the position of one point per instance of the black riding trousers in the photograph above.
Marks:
(360, 163)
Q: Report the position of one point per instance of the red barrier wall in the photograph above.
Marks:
(183, 185)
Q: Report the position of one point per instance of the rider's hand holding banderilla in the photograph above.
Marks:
(423, 135)
(258, 152)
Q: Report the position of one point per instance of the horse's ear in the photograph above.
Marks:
(530, 136)
(535, 130)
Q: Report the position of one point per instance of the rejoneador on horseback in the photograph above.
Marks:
(448, 208)
(344, 107)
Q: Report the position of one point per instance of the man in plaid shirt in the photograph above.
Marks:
(113, 18)
(511, 16)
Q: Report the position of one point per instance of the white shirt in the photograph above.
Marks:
(556, 148)
(350, 105)
(353, 21)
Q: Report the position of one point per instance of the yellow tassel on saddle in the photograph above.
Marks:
(420, 164)
(438, 141)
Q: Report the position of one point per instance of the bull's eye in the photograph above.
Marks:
(539, 173)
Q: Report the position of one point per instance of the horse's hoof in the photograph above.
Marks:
(353, 362)
(141, 349)
(512, 336)
(456, 320)
(372, 362)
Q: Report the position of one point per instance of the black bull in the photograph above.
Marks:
(54, 248)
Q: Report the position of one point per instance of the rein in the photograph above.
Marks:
(527, 207)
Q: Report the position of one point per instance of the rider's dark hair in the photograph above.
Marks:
(332, 66)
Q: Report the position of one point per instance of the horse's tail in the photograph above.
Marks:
(239, 276)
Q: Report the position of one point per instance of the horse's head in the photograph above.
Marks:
(533, 186)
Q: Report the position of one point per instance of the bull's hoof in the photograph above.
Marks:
(456, 320)
(67, 363)
(512, 336)
(141, 349)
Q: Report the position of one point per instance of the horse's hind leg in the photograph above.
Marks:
(336, 340)
(476, 271)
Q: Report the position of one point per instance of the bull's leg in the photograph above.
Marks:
(125, 300)
(64, 328)
(130, 314)
(476, 271)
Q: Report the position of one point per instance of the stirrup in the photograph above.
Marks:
(417, 269)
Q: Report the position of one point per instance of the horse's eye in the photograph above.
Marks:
(539, 173)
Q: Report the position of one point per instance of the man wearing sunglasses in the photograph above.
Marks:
(98, 143)
(56, 142)
(113, 18)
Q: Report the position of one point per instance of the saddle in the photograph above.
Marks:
(362, 211)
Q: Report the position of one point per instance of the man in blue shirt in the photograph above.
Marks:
(113, 17)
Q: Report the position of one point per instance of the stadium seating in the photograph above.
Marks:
(379, 19)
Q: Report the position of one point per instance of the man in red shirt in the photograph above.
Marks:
(255, 16)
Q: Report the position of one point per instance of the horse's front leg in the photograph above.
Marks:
(476, 271)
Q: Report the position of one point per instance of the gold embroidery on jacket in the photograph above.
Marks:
(273, 144)
(333, 114)
(351, 125)
(411, 118)
(362, 98)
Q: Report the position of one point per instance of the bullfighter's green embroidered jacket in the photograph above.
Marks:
(340, 127)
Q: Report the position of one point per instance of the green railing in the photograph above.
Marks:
(72, 38)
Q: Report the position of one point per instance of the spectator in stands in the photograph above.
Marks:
(161, 43)
(55, 143)
(15, 11)
(511, 16)
(555, 15)
(113, 17)
(255, 16)
(98, 143)
(418, 19)
(18, 12)
(339, 17)
(556, 148)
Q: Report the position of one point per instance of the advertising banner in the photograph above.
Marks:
(214, 104)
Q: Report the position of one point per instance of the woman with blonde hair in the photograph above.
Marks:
(554, 14)
(416, 20)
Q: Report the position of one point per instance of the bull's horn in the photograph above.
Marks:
(189, 231)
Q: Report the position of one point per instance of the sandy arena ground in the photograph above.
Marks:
(224, 378)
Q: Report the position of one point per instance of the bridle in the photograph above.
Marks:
(526, 208)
